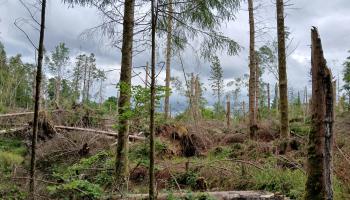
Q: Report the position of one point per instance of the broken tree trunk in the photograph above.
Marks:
(319, 165)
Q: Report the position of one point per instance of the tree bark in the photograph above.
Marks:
(122, 171)
(147, 74)
(252, 118)
(268, 98)
(168, 59)
(319, 158)
(282, 71)
(228, 111)
(257, 90)
(152, 194)
(37, 101)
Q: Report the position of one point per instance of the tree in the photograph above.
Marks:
(37, 100)
(57, 63)
(346, 78)
(154, 8)
(252, 71)
(282, 71)
(168, 58)
(122, 163)
(217, 82)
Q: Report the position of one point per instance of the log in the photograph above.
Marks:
(12, 130)
(23, 113)
(224, 195)
(108, 133)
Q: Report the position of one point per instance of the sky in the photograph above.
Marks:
(66, 24)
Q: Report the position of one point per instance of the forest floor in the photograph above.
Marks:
(190, 157)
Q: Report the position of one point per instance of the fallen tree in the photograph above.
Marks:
(224, 195)
(108, 133)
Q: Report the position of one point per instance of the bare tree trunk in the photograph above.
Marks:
(168, 59)
(243, 107)
(228, 111)
(197, 93)
(319, 165)
(84, 83)
(252, 116)
(88, 83)
(268, 98)
(37, 100)
(122, 171)
(147, 74)
(152, 194)
(257, 90)
(282, 71)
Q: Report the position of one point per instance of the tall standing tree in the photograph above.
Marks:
(122, 160)
(37, 101)
(217, 82)
(168, 59)
(282, 71)
(252, 71)
(57, 63)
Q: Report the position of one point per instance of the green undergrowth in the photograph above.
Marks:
(12, 152)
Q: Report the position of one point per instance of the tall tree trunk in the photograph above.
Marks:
(168, 59)
(37, 100)
(57, 91)
(282, 71)
(147, 74)
(84, 83)
(122, 170)
(152, 194)
(257, 89)
(88, 83)
(277, 107)
(228, 111)
(319, 159)
(268, 98)
(252, 118)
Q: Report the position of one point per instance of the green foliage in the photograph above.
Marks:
(11, 153)
(288, 182)
(76, 189)
(216, 78)
(140, 152)
(9, 159)
(346, 77)
(188, 178)
(80, 182)
(11, 191)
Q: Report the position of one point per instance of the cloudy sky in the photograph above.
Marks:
(66, 24)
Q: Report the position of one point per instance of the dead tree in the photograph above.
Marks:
(37, 100)
(319, 159)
